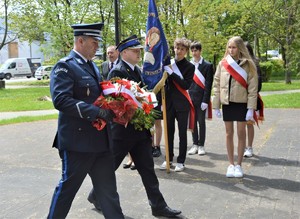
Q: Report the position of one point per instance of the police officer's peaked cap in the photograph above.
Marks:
(131, 42)
(93, 30)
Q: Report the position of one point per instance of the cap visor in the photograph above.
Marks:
(136, 47)
(98, 38)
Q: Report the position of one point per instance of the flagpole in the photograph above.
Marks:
(163, 97)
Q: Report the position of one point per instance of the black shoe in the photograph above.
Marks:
(92, 199)
(126, 166)
(165, 212)
(156, 151)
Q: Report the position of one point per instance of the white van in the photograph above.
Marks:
(19, 67)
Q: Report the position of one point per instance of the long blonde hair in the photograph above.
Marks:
(243, 53)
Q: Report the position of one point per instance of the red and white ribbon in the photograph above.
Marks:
(191, 120)
(236, 71)
(199, 79)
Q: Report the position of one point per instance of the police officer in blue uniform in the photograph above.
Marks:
(137, 143)
(83, 150)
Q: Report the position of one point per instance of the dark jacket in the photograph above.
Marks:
(122, 70)
(198, 94)
(174, 98)
(105, 69)
(74, 87)
(259, 78)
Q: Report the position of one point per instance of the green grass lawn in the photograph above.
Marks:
(24, 99)
(291, 100)
(280, 85)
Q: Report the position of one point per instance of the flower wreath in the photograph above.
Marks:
(129, 102)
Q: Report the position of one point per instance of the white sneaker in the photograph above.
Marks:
(193, 150)
(201, 150)
(230, 171)
(238, 172)
(179, 167)
(164, 165)
(248, 152)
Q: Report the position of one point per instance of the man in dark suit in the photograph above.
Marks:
(200, 91)
(137, 143)
(113, 59)
(74, 86)
(178, 101)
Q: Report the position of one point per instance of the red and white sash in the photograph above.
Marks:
(199, 79)
(239, 74)
(236, 71)
(191, 120)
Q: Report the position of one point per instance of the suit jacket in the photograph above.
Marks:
(105, 69)
(198, 94)
(74, 86)
(174, 98)
(122, 70)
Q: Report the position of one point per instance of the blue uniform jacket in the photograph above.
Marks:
(74, 87)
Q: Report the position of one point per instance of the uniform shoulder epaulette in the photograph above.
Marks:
(65, 59)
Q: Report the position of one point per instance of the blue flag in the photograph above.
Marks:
(156, 49)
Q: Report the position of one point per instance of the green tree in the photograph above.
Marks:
(6, 38)
(212, 22)
(276, 22)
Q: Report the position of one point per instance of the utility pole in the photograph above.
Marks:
(117, 21)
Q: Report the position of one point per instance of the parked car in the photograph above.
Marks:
(43, 72)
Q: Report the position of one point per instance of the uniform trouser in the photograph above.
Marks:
(182, 120)
(75, 167)
(141, 153)
(199, 137)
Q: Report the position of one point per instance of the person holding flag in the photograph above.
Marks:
(178, 101)
(235, 88)
(200, 91)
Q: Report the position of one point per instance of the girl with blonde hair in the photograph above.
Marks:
(235, 90)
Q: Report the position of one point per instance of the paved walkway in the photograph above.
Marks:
(267, 93)
(30, 170)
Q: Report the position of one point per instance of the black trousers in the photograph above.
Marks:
(199, 137)
(141, 153)
(75, 167)
(182, 120)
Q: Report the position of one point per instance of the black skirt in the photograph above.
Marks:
(234, 111)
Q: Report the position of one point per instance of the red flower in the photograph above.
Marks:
(124, 97)
(147, 107)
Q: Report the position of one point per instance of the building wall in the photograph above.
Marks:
(24, 50)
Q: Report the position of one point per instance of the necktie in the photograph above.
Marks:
(89, 62)
(136, 72)
(111, 66)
